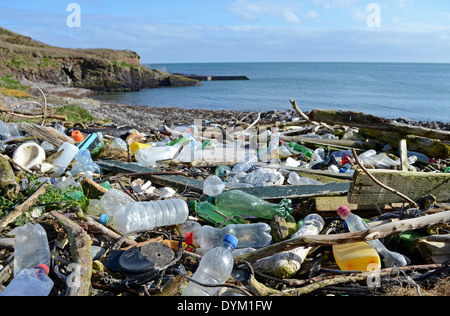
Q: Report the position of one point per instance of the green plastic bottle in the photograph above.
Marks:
(296, 146)
(237, 202)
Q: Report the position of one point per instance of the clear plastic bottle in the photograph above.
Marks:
(113, 200)
(245, 165)
(30, 247)
(30, 282)
(215, 268)
(147, 215)
(4, 132)
(213, 185)
(254, 235)
(355, 224)
(84, 164)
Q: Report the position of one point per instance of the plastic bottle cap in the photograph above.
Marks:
(343, 211)
(45, 267)
(231, 240)
(189, 238)
(103, 219)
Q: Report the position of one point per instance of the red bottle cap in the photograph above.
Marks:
(189, 238)
(343, 211)
(44, 266)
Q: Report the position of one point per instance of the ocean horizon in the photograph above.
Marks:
(413, 91)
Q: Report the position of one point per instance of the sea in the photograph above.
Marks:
(417, 92)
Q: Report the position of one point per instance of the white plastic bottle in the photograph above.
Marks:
(62, 162)
(30, 282)
(112, 200)
(245, 165)
(30, 247)
(147, 215)
(148, 157)
(215, 268)
(355, 224)
(254, 235)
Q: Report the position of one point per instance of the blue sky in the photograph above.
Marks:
(243, 30)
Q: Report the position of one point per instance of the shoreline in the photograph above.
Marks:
(146, 118)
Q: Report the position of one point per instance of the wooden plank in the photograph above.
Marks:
(412, 184)
(174, 181)
(332, 203)
(297, 191)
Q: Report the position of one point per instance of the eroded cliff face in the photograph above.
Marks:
(96, 69)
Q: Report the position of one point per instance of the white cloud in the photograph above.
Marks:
(251, 10)
(331, 4)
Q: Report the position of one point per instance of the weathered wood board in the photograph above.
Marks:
(412, 184)
(174, 181)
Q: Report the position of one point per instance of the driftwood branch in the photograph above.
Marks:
(25, 206)
(46, 133)
(367, 121)
(365, 235)
(411, 202)
(80, 249)
(8, 183)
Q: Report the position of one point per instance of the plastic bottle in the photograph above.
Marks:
(255, 235)
(30, 247)
(274, 147)
(358, 256)
(148, 157)
(223, 171)
(147, 215)
(245, 165)
(295, 179)
(30, 282)
(287, 263)
(355, 224)
(62, 162)
(4, 132)
(307, 152)
(119, 143)
(134, 147)
(84, 164)
(112, 200)
(213, 185)
(237, 202)
(215, 268)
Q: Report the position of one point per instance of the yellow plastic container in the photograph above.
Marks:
(135, 146)
(358, 256)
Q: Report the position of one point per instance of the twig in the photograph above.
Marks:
(305, 117)
(365, 235)
(25, 206)
(411, 202)
(250, 126)
(80, 246)
(45, 100)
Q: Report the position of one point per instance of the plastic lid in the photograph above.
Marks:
(231, 240)
(45, 267)
(343, 211)
(104, 219)
(189, 238)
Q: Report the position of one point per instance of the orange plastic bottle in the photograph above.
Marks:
(77, 136)
(358, 256)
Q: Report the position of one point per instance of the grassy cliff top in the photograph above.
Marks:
(19, 52)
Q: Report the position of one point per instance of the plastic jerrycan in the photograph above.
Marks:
(358, 256)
